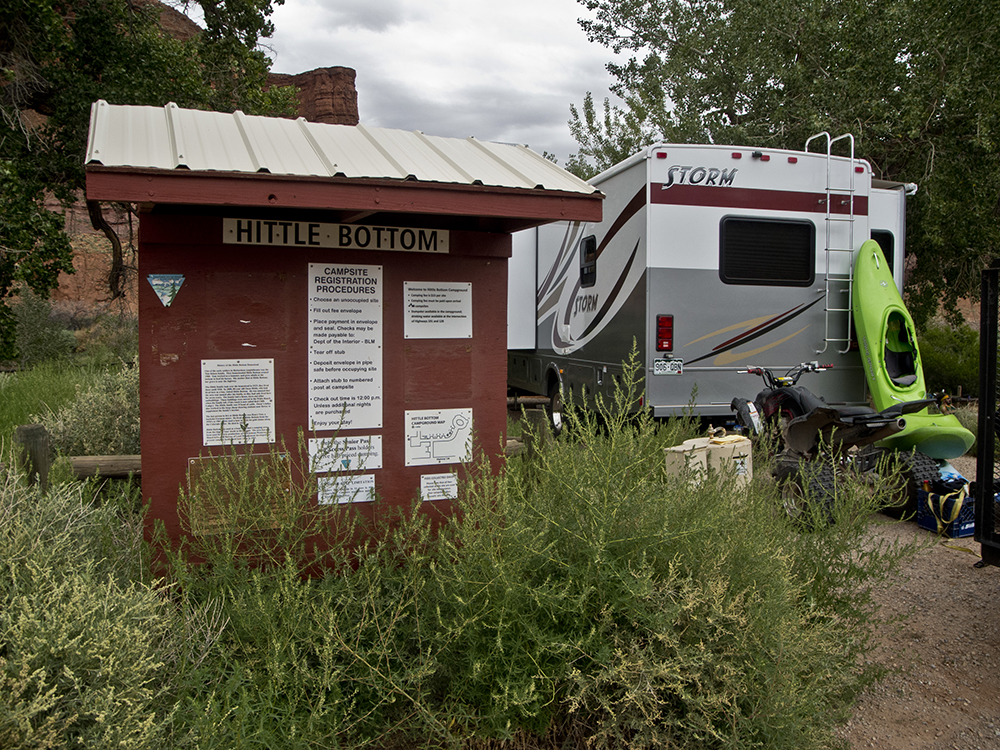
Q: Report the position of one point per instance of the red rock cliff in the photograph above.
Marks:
(325, 94)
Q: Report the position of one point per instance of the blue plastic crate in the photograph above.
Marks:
(940, 514)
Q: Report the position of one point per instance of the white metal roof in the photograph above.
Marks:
(172, 138)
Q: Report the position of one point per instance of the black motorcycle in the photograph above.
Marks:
(816, 441)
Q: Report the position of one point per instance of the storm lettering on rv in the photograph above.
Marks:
(585, 303)
(693, 175)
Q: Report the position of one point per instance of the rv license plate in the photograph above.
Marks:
(668, 366)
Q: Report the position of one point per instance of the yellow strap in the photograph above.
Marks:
(727, 439)
(960, 548)
(938, 512)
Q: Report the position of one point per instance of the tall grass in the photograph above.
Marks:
(49, 385)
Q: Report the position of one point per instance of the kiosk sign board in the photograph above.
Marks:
(381, 346)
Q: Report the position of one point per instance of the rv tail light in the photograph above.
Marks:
(793, 160)
(664, 333)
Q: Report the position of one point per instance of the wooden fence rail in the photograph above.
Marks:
(34, 452)
(34, 455)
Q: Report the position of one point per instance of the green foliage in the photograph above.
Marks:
(57, 58)
(102, 420)
(580, 597)
(605, 141)
(33, 247)
(914, 81)
(87, 647)
(46, 387)
(39, 337)
(950, 357)
(110, 339)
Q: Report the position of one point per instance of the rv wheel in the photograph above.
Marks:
(555, 408)
(806, 485)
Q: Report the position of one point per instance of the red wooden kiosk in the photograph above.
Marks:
(346, 281)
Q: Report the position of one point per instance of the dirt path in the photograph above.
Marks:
(944, 689)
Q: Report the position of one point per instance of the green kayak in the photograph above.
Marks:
(891, 357)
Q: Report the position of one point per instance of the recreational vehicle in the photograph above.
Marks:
(709, 258)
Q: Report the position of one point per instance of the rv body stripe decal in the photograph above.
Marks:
(614, 293)
(562, 262)
(749, 198)
(767, 323)
(637, 203)
(753, 333)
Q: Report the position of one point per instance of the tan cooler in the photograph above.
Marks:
(722, 455)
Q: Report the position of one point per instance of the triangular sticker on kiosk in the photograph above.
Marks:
(166, 286)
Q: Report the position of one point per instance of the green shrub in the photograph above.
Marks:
(86, 646)
(111, 339)
(950, 358)
(39, 337)
(102, 420)
(579, 598)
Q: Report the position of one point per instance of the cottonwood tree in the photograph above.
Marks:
(916, 81)
(59, 56)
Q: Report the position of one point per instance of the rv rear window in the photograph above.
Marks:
(887, 242)
(767, 252)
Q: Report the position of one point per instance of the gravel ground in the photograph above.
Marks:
(943, 690)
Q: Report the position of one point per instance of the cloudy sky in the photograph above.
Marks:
(499, 70)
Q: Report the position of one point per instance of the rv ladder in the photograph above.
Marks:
(838, 282)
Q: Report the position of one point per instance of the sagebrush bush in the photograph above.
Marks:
(87, 645)
(38, 336)
(950, 357)
(102, 420)
(580, 598)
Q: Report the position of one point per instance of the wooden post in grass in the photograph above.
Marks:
(34, 456)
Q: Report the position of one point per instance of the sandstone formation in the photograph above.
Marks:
(326, 95)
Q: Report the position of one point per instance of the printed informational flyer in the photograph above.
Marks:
(345, 346)
(438, 436)
(358, 453)
(237, 401)
(352, 488)
(439, 486)
(437, 310)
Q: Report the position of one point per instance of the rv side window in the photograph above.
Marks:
(767, 252)
(887, 242)
(588, 261)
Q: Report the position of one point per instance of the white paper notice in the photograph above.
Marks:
(346, 489)
(438, 436)
(346, 454)
(237, 401)
(439, 486)
(437, 310)
(345, 346)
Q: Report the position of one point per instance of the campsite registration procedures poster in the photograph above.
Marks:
(345, 351)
